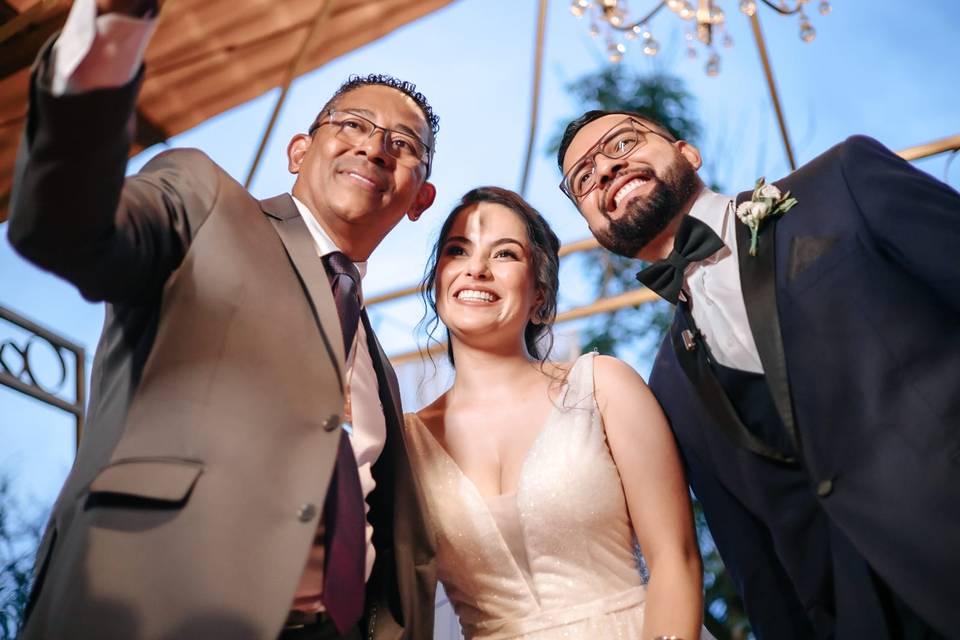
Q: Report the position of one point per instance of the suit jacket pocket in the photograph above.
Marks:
(145, 482)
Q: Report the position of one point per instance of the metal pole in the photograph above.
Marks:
(535, 98)
(288, 80)
(771, 85)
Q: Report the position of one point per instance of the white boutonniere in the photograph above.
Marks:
(766, 201)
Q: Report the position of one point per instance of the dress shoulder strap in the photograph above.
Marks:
(578, 390)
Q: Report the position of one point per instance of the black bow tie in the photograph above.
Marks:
(694, 241)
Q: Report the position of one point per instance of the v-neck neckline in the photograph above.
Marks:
(523, 465)
(544, 427)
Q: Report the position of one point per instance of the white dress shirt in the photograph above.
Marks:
(369, 433)
(96, 52)
(713, 287)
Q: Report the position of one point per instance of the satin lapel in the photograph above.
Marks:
(302, 252)
(758, 279)
(389, 393)
(693, 361)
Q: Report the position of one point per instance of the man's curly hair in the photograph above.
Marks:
(407, 88)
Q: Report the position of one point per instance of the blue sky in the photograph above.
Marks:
(881, 69)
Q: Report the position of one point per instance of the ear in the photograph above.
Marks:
(691, 153)
(296, 151)
(536, 309)
(422, 202)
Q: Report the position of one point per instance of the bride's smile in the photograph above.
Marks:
(484, 283)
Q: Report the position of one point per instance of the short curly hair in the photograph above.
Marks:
(407, 88)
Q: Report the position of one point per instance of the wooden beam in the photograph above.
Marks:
(950, 143)
(22, 37)
(604, 305)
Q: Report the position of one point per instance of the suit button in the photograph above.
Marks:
(332, 423)
(824, 488)
(306, 512)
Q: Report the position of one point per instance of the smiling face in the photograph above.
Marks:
(639, 198)
(485, 288)
(359, 192)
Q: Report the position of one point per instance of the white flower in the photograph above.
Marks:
(766, 201)
(770, 191)
(759, 209)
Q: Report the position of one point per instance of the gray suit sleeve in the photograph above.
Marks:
(72, 211)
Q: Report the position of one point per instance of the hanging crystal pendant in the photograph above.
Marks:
(691, 50)
(825, 8)
(726, 41)
(713, 65)
(615, 51)
(650, 46)
(594, 30)
(687, 12)
(807, 32)
(717, 16)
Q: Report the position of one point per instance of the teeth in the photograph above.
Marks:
(471, 294)
(625, 190)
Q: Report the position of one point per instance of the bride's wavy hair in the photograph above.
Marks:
(544, 267)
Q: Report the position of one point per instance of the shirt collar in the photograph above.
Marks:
(322, 241)
(714, 209)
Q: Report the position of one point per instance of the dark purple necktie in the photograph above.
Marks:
(344, 539)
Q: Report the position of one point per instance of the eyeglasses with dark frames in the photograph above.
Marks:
(619, 141)
(354, 129)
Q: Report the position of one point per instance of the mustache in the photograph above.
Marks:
(645, 172)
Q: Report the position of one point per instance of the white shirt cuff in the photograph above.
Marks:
(98, 52)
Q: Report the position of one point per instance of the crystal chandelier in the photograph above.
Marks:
(706, 24)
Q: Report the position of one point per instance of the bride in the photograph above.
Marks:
(540, 477)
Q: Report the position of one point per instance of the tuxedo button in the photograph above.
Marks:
(332, 423)
(824, 488)
(306, 512)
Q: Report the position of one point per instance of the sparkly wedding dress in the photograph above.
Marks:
(553, 560)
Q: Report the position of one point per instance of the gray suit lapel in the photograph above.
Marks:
(758, 281)
(302, 251)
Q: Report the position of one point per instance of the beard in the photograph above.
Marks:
(645, 217)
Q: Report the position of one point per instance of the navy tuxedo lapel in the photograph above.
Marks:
(302, 252)
(759, 284)
(691, 351)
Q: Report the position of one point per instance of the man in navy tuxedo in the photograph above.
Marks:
(812, 383)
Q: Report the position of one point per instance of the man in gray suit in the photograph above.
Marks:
(242, 473)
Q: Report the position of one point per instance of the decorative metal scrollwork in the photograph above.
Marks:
(15, 361)
(21, 364)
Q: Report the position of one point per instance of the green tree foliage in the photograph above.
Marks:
(18, 543)
(641, 329)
